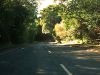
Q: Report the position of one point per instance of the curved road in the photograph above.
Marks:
(49, 59)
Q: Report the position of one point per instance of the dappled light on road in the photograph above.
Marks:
(45, 72)
(86, 67)
(80, 57)
(41, 71)
(93, 51)
(51, 59)
(83, 59)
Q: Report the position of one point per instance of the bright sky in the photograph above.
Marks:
(44, 3)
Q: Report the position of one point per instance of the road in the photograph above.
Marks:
(49, 59)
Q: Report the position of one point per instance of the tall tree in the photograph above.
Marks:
(49, 18)
(15, 19)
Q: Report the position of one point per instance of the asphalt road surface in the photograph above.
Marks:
(49, 59)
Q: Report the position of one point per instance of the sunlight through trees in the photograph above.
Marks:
(63, 19)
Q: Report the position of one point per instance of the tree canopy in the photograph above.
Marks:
(17, 20)
(66, 20)
(81, 19)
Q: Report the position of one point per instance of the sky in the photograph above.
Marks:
(44, 3)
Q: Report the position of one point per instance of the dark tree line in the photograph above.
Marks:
(17, 21)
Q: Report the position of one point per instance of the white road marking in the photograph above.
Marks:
(65, 69)
(49, 52)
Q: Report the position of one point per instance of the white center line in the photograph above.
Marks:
(65, 69)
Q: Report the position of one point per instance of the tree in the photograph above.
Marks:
(86, 12)
(49, 18)
(16, 19)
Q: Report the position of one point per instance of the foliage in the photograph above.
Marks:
(50, 17)
(60, 31)
(87, 14)
(70, 19)
(80, 18)
(16, 19)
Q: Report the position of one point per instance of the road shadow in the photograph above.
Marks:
(21, 61)
(79, 59)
